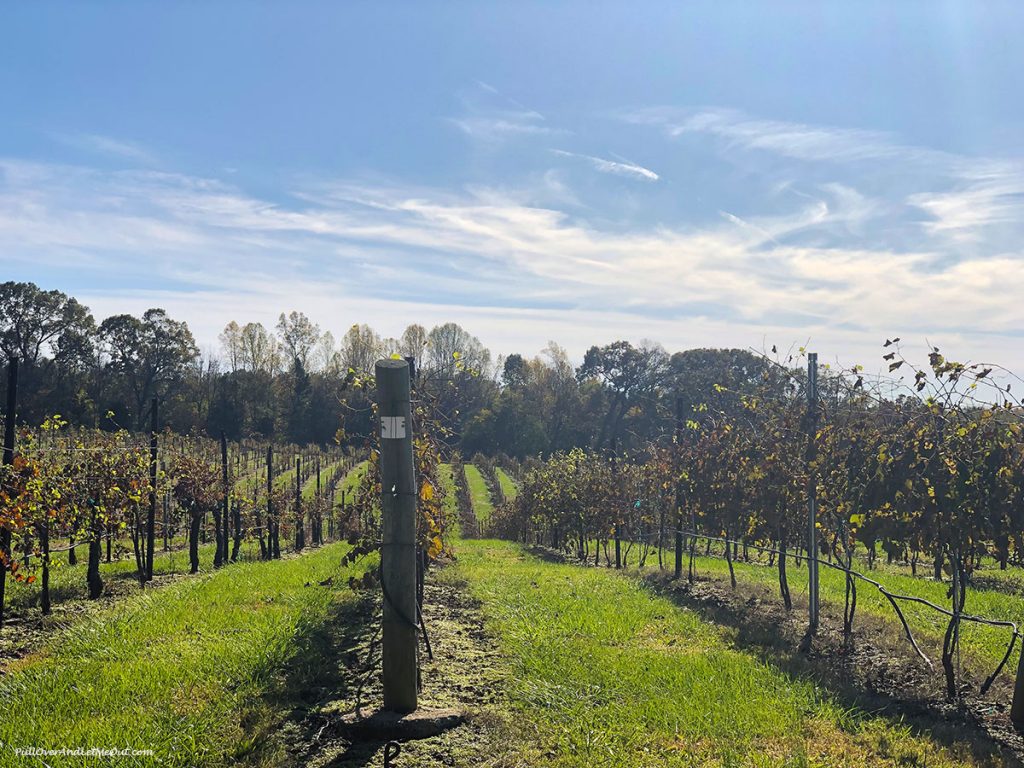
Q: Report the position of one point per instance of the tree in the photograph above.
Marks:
(450, 349)
(414, 344)
(259, 349)
(231, 343)
(361, 348)
(31, 319)
(298, 336)
(628, 373)
(148, 354)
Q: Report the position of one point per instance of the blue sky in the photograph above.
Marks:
(701, 174)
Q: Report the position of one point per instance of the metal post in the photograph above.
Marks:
(812, 490)
(11, 416)
(398, 548)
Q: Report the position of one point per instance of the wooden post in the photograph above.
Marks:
(154, 426)
(617, 532)
(236, 521)
(11, 415)
(812, 491)
(679, 489)
(273, 549)
(227, 495)
(398, 548)
(300, 531)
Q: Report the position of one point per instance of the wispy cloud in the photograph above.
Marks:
(483, 248)
(962, 196)
(492, 127)
(491, 116)
(619, 168)
(799, 141)
(989, 199)
(106, 145)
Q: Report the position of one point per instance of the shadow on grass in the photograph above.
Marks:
(327, 666)
(871, 675)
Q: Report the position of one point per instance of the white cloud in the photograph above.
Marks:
(993, 197)
(611, 166)
(516, 273)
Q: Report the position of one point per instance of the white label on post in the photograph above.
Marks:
(392, 427)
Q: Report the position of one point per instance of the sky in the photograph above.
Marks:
(721, 174)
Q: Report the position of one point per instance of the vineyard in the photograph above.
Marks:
(803, 566)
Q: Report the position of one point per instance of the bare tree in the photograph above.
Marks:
(298, 335)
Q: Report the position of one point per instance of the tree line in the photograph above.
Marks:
(296, 383)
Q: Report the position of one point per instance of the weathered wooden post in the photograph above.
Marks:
(812, 491)
(398, 546)
(300, 529)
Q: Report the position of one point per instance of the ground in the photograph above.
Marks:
(552, 663)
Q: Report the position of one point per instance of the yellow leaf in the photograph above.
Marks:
(426, 491)
(435, 548)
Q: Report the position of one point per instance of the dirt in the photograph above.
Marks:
(465, 675)
(875, 671)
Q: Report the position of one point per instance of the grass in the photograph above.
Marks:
(508, 485)
(174, 670)
(605, 673)
(479, 495)
(353, 478)
(309, 488)
(986, 645)
(67, 582)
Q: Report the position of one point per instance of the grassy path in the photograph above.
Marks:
(176, 671)
(479, 494)
(604, 673)
(508, 485)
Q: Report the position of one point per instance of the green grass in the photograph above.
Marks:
(353, 478)
(309, 489)
(605, 673)
(986, 645)
(67, 582)
(508, 485)
(172, 670)
(478, 494)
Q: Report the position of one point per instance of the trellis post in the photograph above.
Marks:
(154, 425)
(398, 546)
(812, 491)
